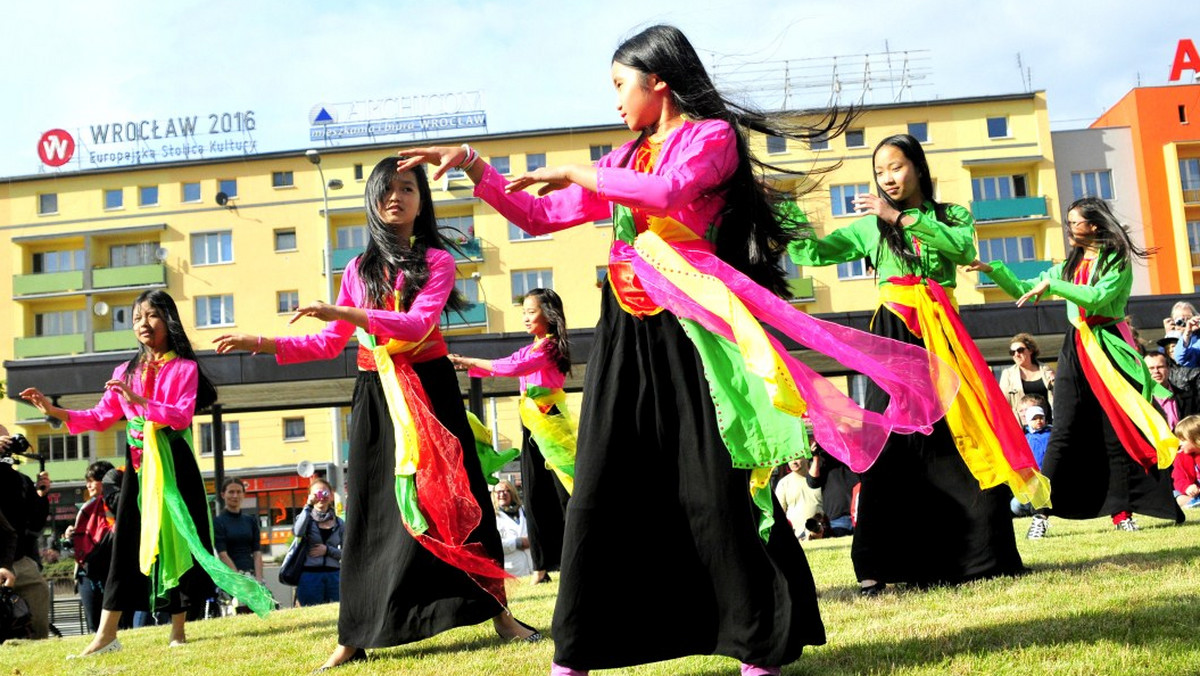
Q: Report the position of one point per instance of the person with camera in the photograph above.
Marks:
(1184, 326)
(25, 506)
(322, 530)
(91, 540)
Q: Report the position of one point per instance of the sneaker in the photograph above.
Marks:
(1128, 524)
(1037, 527)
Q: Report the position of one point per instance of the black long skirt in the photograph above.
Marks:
(662, 557)
(922, 518)
(545, 506)
(393, 590)
(126, 589)
(1090, 472)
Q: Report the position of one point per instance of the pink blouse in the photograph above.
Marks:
(420, 321)
(694, 161)
(532, 364)
(172, 401)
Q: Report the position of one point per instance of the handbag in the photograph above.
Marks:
(293, 563)
(15, 619)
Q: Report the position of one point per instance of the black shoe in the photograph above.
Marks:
(874, 589)
(359, 655)
(545, 578)
(532, 638)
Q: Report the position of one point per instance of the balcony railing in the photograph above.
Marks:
(1012, 209)
(1191, 196)
(475, 314)
(1022, 270)
(342, 256)
(109, 341)
(47, 346)
(47, 282)
(132, 275)
(801, 288)
(469, 251)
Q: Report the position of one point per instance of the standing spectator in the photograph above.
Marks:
(838, 491)
(1182, 383)
(322, 529)
(1185, 473)
(91, 540)
(514, 529)
(800, 501)
(236, 534)
(1185, 326)
(24, 505)
(1027, 375)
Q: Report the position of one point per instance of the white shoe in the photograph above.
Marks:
(112, 647)
(1038, 527)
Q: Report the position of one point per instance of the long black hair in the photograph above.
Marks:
(386, 256)
(889, 235)
(1110, 238)
(552, 309)
(754, 233)
(177, 341)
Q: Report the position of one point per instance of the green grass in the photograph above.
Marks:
(1097, 602)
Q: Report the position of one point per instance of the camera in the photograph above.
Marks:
(1179, 322)
(321, 495)
(18, 445)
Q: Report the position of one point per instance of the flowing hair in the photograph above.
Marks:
(889, 235)
(177, 341)
(386, 256)
(755, 229)
(1110, 238)
(552, 309)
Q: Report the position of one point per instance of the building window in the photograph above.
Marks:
(601, 276)
(986, 188)
(148, 196)
(997, 127)
(535, 161)
(776, 145)
(228, 186)
(919, 131)
(599, 151)
(1007, 249)
(524, 281)
(819, 142)
(1092, 184)
(126, 255)
(854, 270)
(1193, 233)
(469, 288)
(58, 261)
(293, 429)
(454, 227)
(214, 311)
(285, 240)
(856, 138)
(351, 237)
(114, 199)
(500, 164)
(281, 179)
(191, 192)
(516, 234)
(286, 302)
(841, 197)
(1189, 179)
(212, 248)
(47, 203)
(65, 446)
(233, 437)
(1182, 114)
(63, 323)
(358, 172)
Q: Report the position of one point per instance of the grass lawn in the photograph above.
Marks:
(1097, 602)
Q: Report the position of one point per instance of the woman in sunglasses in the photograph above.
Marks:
(1028, 375)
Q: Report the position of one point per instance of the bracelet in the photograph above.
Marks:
(258, 346)
(469, 160)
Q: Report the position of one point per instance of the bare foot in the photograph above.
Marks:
(512, 629)
(341, 654)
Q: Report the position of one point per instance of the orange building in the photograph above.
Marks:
(1165, 126)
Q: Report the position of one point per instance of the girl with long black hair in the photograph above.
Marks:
(162, 557)
(548, 444)
(417, 558)
(945, 480)
(1110, 447)
(684, 386)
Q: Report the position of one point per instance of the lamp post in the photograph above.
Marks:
(314, 156)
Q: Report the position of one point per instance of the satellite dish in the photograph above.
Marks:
(305, 469)
(160, 254)
(100, 309)
(222, 198)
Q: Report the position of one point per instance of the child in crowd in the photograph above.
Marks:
(1037, 433)
(1185, 472)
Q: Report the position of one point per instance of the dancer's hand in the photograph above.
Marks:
(318, 310)
(229, 342)
(554, 178)
(978, 266)
(866, 203)
(36, 399)
(445, 157)
(122, 388)
(460, 362)
(1035, 293)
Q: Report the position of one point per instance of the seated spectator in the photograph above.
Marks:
(800, 501)
(1184, 384)
(1184, 326)
(1037, 433)
(1185, 472)
(514, 529)
(837, 484)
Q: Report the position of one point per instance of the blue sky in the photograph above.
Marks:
(73, 64)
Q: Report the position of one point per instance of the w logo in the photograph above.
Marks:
(56, 147)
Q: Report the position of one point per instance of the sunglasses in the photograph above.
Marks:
(1019, 350)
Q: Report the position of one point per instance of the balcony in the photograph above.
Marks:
(801, 289)
(341, 257)
(1011, 209)
(469, 251)
(474, 315)
(132, 275)
(47, 282)
(1191, 196)
(48, 346)
(110, 341)
(1022, 270)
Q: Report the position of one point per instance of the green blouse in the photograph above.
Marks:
(1105, 295)
(943, 246)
